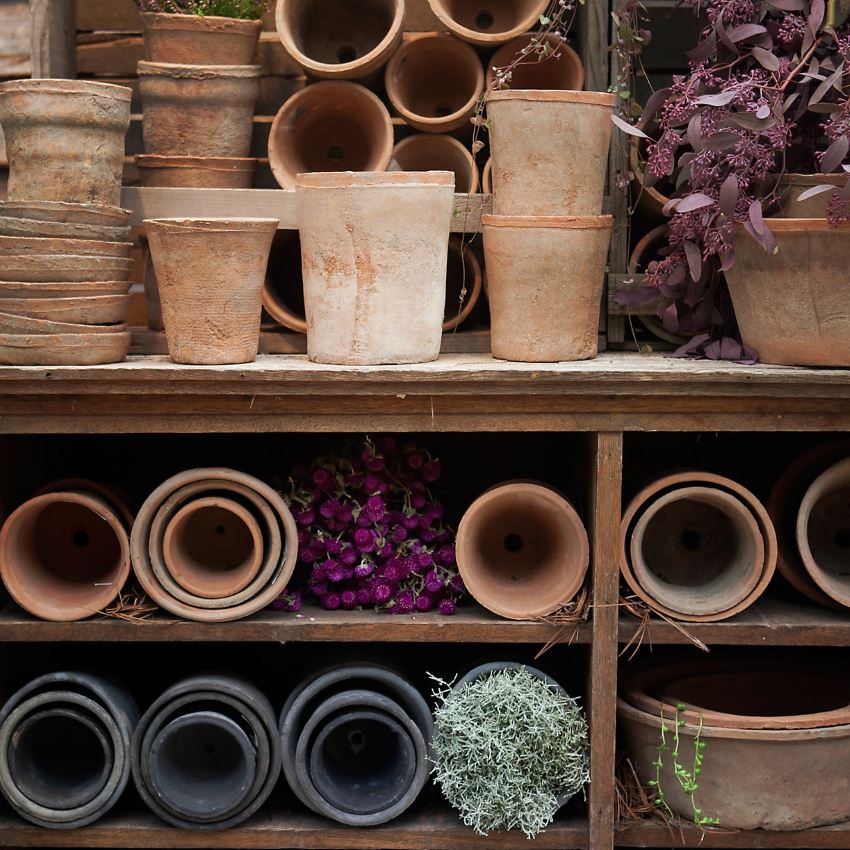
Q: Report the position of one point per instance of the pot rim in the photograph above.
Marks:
(562, 45)
(374, 179)
(68, 340)
(68, 88)
(229, 163)
(586, 98)
(564, 222)
(483, 38)
(58, 327)
(213, 224)
(97, 209)
(178, 20)
(147, 68)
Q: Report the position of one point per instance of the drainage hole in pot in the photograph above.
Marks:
(691, 540)
(335, 153)
(441, 110)
(513, 543)
(346, 53)
(356, 740)
(484, 20)
(219, 530)
(81, 538)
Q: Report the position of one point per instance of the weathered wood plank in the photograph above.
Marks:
(53, 34)
(15, 39)
(655, 834)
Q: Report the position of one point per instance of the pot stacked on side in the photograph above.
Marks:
(64, 241)
(774, 738)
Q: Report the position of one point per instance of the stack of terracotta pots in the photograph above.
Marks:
(64, 241)
(198, 90)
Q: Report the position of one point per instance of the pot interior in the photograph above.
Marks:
(829, 535)
(489, 16)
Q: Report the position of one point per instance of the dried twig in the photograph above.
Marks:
(134, 605)
(570, 618)
(639, 609)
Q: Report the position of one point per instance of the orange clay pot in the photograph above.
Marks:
(489, 22)
(464, 272)
(283, 290)
(199, 39)
(437, 152)
(561, 69)
(196, 171)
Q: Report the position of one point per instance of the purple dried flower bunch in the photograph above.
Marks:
(370, 532)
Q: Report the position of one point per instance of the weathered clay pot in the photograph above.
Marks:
(647, 198)
(561, 69)
(210, 277)
(545, 279)
(487, 177)
(21, 245)
(64, 555)
(198, 110)
(791, 306)
(688, 540)
(64, 139)
(283, 291)
(330, 126)
(63, 349)
(17, 289)
(345, 40)
(436, 152)
(463, 273)
(488, 23)
(522, 550)
(532, 173)
(65, 748)
(199, 39)
(196, 171)
(823, 531)
(16, 324)
(86, 310)
(374, 250)
(96, 215)
(434, 82)
(63, 267)
(791, 186)
(10, 226)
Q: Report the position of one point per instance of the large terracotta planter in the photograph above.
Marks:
(437, 152)
(533, 172)
(488, 23)
(330, 126)
(345, 40)
(463, 283)
(199, 39)
(374, 250)
(791, 186)
(196, 171)
(545, 277)
(283, 291)
(791, 306)
(522, 550)
(65, 555)
(434, 82)
(64, 139)
(561, 69)
(210, 276)
(198, 110)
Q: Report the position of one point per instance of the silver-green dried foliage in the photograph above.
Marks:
(506, 747)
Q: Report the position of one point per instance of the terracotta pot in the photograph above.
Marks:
(64, 139)
(20, 245)
(210, 276)
(535, 175)
(153, 307)
(545, 279)
(199, 39)
(561, 69)
(198, 110)
(791, 186)
(214, 481)
(86, 310)
(374, 250)
(95, 215)
(487, 177)
(69, 268)
(435, 82)
(64, 556)
(702, 480)
(436, 152)
(17, 289)
(522, 550)
(648, 199)
(766, 769)
(196, 171)
(490, 22)
(786, 322)
(10, 226)
(14, 324)
(823, 531)
(464, 273)
(63, 349)
(345, 40)
(331, 126)
(283, 292)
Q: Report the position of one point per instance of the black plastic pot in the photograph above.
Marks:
(65, 748)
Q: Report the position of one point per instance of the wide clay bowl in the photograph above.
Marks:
(12, 324)
(83, 310)
(63, 267)
(20, 245)
(16, 226)
(63, 349)
(62, 289)
(59, 211)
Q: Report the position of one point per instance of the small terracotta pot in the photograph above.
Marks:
(786, 322)
(464, 273)
(96, 215)
(198, 110)
(522, 550)
(199, 39)
(331, 126)
(487, 177)
(17, 289)
(336, 40)
(210, 276)
(435, 82)
(648, 199)
(65, 555)
(69, 268)
(490, 22)
(545, 279)
(561, 69)
(85, 310)
(63, 230)
(39, 246)
(16, 324)
(791, 186)
(374, 251)
(196, 171)
(63, 349)
(823, 531)
(436, 152)
(533, 174)
(64, 139)
(283, 291)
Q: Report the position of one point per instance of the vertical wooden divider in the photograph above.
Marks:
(54, 39)
(606, 467)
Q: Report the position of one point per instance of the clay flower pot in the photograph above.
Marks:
(488, 23)
(374, 250)
(283, 291)
(345, 40)
(39, 246)
(199, 39)
(64, 139)
(487, 177)
(198, 110)
(522, 550)
(463, 273)
(61, 290)
(64, 555)
(791, 186)
(545, 279)
(435, 82)
(436, 152)
(60, 212)
(648, 199)
(17, 226)
(16, 324)
(63, 349)
(196, 171)
(210, 278)
(791, 306)
(331, 126)
(561, 69)
(32, 268)
(533, 173)
(86, 310)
